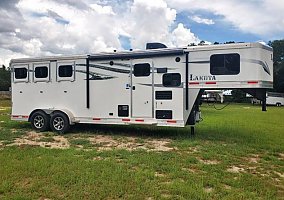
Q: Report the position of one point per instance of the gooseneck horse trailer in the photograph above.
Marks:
(157, 86)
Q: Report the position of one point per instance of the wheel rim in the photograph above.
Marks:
(58, 123)
(38, 121)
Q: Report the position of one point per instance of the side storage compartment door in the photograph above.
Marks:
(142, 88)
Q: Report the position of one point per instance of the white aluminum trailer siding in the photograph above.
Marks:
(157, 87)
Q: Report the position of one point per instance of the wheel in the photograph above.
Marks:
(59, 123)
(278, 104)
(40, 121)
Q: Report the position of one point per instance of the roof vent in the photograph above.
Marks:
(155, 45)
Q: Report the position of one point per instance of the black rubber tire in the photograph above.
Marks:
(59, 122)
(40, 121)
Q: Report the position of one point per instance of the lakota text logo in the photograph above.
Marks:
(201, 78)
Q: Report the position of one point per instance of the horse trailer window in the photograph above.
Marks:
(21, 73)
(171, 80)
(142, 69)
(41, 72)
(225, 64)
(65, 71)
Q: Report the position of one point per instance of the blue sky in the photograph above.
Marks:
(221, 31)
(32, 28)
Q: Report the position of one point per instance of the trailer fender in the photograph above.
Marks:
(68, 113)
(51, 111)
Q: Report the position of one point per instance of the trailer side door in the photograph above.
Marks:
(142, 88)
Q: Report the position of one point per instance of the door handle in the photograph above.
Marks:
(133, 87)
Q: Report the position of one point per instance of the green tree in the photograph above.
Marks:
(201, 43)
(5, 79)
(239, 96)
(278, 64)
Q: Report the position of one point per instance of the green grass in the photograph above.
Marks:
(77, 142)
(238, 137)
(47, 139)
(5, 102)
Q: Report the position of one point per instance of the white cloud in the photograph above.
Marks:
(85, 31)
(102, 9)
(202, 20)
(48, 27)
(263, 18)
(149, 21)
(183, 36)
(7, 55)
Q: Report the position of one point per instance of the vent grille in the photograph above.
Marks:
(164, 114)
(164, 95)
(123, 110)
(162, 70)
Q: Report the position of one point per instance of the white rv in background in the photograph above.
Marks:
(213, 96)
(157, 86)
(274, 98)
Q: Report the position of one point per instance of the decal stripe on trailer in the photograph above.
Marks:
(252, 82)
(171, 121)
(210, 83)
(20, 116)
(193, 83)
(96, 119)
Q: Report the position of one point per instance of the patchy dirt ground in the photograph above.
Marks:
(37, 139)
(131, 143)
(99, 142)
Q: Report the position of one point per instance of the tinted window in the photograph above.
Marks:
(21, 73)
(65, 71)
(225, 64)
(171, 80)
(41, 72)
(142, 69)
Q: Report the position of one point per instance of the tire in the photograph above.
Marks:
(40, 121)
(278, 104)
(59, 122)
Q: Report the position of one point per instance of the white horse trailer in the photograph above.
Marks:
(156, 86)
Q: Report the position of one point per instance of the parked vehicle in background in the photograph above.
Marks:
(274, 98)
(213, 96)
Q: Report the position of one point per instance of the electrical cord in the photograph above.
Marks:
(215, 101)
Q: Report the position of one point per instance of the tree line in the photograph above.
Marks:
(5, 79)
(278, 66)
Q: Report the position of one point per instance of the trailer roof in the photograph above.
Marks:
(143, 53)
(47, 58)
(138, 54)
(108, 55)
(229, 46)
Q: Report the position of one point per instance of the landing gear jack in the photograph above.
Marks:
(192, 131)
